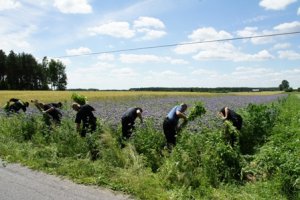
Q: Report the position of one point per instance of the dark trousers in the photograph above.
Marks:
(169, 131)
(88, 127)
(237, 121)
(127, 127)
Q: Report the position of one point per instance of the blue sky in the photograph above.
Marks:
(57, 28)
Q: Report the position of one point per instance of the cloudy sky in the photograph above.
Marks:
(64, 28)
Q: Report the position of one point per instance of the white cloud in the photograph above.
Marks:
(9, 4)
(208, 33)
(288, 27)
(114, 29)
(147, 22)
(66, 61)
(151, 34)
(275, 4)
(220, 53)
(281, 46)
(145, 28)
(246, 76)
(146, 58)
(106, 57)
(73, 6)
(298, 12)
(79, 51)
(290, 55)
(124, 72)
(16, 40)
(253, 31)
(219, 50)
(205, 73)
(256, 19)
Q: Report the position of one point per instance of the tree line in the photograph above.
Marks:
(23, 72)
(198, 89)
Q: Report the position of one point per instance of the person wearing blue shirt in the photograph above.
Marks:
(170, 125)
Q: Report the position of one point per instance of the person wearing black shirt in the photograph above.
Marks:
(86, 116)
(56, 105)
(228, 114)
(16, 105)
(128, 121)
(50, 110)
(234, 118)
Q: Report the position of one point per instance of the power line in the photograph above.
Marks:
(180, 44)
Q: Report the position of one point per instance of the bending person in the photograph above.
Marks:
(86, 116)
(16, 105)
(50, 110)
(128, 121)
(170, 124)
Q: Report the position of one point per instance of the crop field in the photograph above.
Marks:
(262, 164)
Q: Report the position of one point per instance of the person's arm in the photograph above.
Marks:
(226, 113)
(49, 110)
(78, 127)
(38, 105)
(181, 115)
(139, 114)
(13, 100)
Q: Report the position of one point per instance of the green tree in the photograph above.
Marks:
(13, 72)
(284, 85)
(57, 75)
(2, 70)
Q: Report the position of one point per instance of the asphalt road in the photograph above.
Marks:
(20, 183)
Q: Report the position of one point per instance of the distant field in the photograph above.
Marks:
(49, 96)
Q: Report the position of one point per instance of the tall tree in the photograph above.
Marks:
(3, 72)
(284, 85)
(13, 72)
(57, 75)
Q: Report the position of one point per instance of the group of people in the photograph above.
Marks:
(171, 121)
(86, 121)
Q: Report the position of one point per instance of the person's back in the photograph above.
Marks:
(232, 116)
(171, 121)
(130, 114)
(85, 114)
(172, 116)
(56, 105)
(128, 121)
(53, 112)
(17, 105)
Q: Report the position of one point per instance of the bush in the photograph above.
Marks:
(258, 121)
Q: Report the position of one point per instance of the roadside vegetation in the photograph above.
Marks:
(264, 163)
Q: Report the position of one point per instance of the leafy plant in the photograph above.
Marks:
(80, 99)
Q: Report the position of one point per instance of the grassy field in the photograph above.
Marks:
(262, 164)
(50, 96)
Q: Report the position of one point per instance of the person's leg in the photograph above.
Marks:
(125, 129)
(169, 131)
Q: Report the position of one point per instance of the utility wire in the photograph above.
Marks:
(180, 44)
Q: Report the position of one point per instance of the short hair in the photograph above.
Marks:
(184, 105)
(75, 106)
(26, 104)
(59, 104)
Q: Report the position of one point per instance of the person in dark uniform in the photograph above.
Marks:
(128, 120)
(230, 115)
(56, 105)
(50, 110)
(86, 116)
(235, 119)
(16, 105)
(170, 124)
